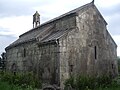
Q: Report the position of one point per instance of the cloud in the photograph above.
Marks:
(3, 30)
(57, 7)
(15, 25)
(27, 7)
(106, 3)
(5, 40)
(109, 11)
(112, 16)
(10, 8)
(114, 24)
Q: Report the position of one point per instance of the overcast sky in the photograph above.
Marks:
(16, 16)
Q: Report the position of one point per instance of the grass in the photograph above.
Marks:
(6, 86)
(8, 81)
(110, 88)
(20, 80)
(93, 83)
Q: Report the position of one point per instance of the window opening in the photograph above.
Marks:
(71, 68)
(24, 53)
(95, 50)
(112, 66)
(14, 68)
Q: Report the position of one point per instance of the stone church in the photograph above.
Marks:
(75, 43)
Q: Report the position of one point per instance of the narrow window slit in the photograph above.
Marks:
(71, 68)
(24, 53)
(95, 48)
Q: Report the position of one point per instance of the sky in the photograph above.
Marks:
(16, 16)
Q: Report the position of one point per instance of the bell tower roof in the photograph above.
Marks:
(36, 14)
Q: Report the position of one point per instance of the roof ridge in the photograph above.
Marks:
(68, 13)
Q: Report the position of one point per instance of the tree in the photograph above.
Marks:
(2, 61)
(118, 64)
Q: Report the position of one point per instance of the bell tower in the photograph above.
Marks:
(36, 19)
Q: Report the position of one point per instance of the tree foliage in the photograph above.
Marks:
(118, 64)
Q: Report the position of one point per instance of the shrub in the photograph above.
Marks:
(84, 82)
(88, 83)
(70, 82)
(118, 59)
(24, 80)
(116, 82)
(103, 81)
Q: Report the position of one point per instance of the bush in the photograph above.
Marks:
(84, 82)
(7, 86)
(116, 82)
(118, 59)
(88, 83)
(23, 80)
(103, 81)
(70, 82)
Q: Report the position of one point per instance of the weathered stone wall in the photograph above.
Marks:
(69, 53)
(22, 56)
(99, 50)
(88, 49)
(65, 22)
(49, 64)
(41, 60)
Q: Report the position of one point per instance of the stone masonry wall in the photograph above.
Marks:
(41, 60)
(22, 56)
(65, 22)
(49, 64)
(88, 49)
(99, 49)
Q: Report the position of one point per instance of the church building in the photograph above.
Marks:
(75, 43)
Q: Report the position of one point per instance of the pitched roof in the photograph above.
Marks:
(45, 32)
(56, 35)
(30, 36)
